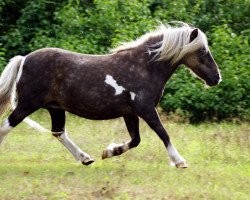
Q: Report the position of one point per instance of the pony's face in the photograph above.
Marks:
(201, 62)
(204, 66)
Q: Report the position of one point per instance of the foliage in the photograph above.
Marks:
(95, 26)
(33, 17)
(2, 55)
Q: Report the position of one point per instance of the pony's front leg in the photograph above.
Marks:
(132, 123)
(78, 154)
(152, 119)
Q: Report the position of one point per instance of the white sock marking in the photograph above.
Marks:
(74, 150)
(112, 82)
(35, 125)
(124, 146)
(175, 157)
(112, 146)
(4, 129)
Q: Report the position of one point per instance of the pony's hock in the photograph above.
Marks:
(126, 83)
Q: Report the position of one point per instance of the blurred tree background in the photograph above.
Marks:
(95, 26)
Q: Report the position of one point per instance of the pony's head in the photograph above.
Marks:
(201, 62)
(188, 46)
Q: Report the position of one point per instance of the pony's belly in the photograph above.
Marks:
(95, 100)
(100, 110)
(100, 114)
(92, 116)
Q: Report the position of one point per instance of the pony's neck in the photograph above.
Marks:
(163, 69)
(160, 74)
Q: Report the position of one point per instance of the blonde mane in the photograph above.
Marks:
(174, 45)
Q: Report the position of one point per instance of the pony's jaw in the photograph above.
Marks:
(203, 67)
(211, 79)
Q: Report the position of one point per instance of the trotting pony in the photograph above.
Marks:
(127, 83)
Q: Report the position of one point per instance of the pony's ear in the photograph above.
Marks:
(194, 34)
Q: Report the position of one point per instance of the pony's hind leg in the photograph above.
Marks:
(58, 130)
(132, 123)
(14, 119)
(4, 129)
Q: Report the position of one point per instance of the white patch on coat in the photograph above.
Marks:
(118, 88)
(132, 94)
(175, 157)
(4, 129)
(112, 82)
(74, 150)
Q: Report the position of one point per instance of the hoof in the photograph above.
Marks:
(182, 165)
(87, 161)
(106, 154)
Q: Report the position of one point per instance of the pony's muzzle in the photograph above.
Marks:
(214, 80)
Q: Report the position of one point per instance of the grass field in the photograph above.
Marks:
(37, 166)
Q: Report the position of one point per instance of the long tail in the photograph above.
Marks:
(9, 77)
(7, 83)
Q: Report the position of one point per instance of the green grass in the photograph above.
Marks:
(37, 166)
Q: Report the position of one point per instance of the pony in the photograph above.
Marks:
(128, 82)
